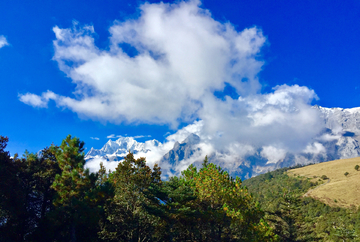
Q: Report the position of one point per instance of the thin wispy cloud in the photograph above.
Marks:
(94, 138)
(141, 136)
(3, 41)
(113, 136)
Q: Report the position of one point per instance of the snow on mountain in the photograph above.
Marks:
(341, 119)
(117, 150)
(340, 139)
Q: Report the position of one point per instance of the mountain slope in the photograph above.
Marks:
(298, 218)
(340, 190)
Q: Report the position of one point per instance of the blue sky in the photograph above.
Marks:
(313, 44)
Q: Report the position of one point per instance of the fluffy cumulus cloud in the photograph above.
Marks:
(283, 119)
(179, 57)
(273, 154)
(3, 41)
(182, 55)
(94, 164)
(315, 148)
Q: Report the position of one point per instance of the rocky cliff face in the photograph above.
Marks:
(339, 140)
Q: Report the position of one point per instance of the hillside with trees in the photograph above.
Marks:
(295, 217)
(52, 197)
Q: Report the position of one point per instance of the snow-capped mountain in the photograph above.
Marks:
(345, 119)
(344, 125)
(117, 150)
(340, 139)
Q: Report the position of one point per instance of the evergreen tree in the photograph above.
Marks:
(174, 202)
(76, 200)
(127, 218)
(26, 195)
(228, 211)
(12, 198)
(205, 162)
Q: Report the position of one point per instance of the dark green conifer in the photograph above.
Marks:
(75, 187)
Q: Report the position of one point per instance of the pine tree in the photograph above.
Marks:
(127, 218)
(12, 198)
(174, 202)
(26, 195)
(75, 191)
(205, 162)
(228, 211)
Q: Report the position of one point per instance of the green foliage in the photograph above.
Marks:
(227, 210)
(81, 196)
(205, 162)
(53, 198)
(26, 196)
(208, 205)
(357, 167)
(174, 202)
(295, 218)
(346, 173)
(126, 216)
(324, 177)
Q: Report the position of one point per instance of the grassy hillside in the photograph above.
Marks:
(338, 189)
(294, 217)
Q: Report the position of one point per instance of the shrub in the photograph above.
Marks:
(324, 177)
(357, 167)
(346, 173)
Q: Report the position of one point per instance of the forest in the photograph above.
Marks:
(52, 197)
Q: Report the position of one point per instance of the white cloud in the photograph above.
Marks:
(273, 154)
(141, 136)
(329, 137)
(283, 118)
(95, 138)
(113, 136)
(181, 134)
(37, 101)
(183, 56)
(315, 148)
(94, 164)
(3, 41)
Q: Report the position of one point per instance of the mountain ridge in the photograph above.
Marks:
(339, 140)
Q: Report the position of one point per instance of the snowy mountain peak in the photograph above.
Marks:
(152, 143)
(339, 139)
(117, 149)
(341, 119)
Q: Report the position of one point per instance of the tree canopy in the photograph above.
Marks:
(50, 196)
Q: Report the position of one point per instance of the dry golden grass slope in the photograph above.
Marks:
(341, 190)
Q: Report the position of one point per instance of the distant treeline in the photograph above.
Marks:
(52, 197)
